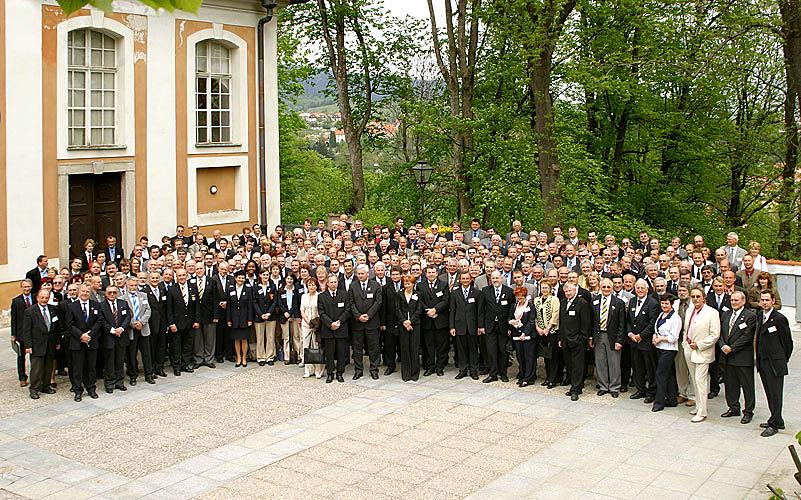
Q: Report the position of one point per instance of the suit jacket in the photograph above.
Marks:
(740, 337)
(144, 311)
(725, 303)
(746, 281)
(774, 343)
(526, 321)
(264, 302)
(489, 309)
(222, 292)
(36, 279)
(369, 303)
(158, 309)
(615, 320)
(240, 309)
(739, 253)
(18, 308)
(575, 322)
(333, 309)
(704, 331)
(642, 324)
(411, 310)
(78, 325)
(35, 333)
(179, 313)
(436, 298)
(445, 278)
(389, 307)
(282, 304)
(119, 254)
(208, 309)
(108, 322)
(463, 314)
(85, 260)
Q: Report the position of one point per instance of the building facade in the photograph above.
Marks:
(129, 123)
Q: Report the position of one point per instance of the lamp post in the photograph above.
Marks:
(422, 175)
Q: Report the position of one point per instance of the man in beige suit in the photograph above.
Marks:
(702, 330)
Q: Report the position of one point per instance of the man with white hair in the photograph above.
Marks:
(643, 310)
(365, 298)
(733, 250)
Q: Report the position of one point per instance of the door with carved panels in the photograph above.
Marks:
(95, 208)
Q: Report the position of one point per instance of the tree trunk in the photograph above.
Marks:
(547, 157)
(787, 199)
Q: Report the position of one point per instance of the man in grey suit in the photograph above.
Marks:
(733, 250)
(139, 333)
(365, 297)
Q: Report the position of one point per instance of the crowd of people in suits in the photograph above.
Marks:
(671, 322)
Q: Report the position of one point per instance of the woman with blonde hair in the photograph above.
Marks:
(546, 323)
(308, 312)
(755, 249)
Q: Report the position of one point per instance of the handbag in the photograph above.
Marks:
(313, 356)
(546, 349)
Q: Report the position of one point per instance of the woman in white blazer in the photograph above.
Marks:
(702, 330)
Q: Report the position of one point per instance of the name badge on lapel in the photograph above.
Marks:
(470, 300)
(55, 318)
(341, 304)
(94, 310)
(369, 295)
(724, 309)
(124, 312)
(164, 297)
(261, 291)
(571, 313)
(414, 296)
(742, 326)
(504, 302)
(596, 302)
(283, 295)
(772, 329)
(438, 294)
(232, 293)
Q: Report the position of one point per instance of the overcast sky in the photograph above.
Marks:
(415, 8)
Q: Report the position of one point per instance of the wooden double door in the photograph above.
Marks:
(95, 209)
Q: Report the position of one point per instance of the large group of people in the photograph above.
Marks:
(672, 323)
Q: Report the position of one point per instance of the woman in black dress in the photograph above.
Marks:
(408, 312)
(520, 327)
(240, 316)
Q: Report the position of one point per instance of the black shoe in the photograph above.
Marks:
(93, 394)
(656, 408)
(133, 381)
(648, 400)
(329, 379)
(211, 365)
(624, 389)
(34, 395)
(746, 418)
(574, 397)
(339, 378)
(545, 383)
(262, 363)
(730, 413)
(188, 369)
(615, 394)
(460, 375)
(489, 379)
(519, 382)
(150, 380)
(769, 431)
(564, 383)
(766, 425)
(504, 378)
(177, 373)
(162, 373)
(637, 395)
(484, 371)
(389, 371)
(428, 372)
(601, 392)
(77, 397)
(374, 376)
(551, 385)
(474, 376)
(270, 363)
(357, 376)
(712, 395)
(109, 390)
(121, 388)
(48, 390)
(569, 393)
(237, 365)
(440, 373)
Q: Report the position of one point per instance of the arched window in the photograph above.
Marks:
(91, 87)
(212, 93)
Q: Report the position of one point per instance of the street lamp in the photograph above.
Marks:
(422, 175)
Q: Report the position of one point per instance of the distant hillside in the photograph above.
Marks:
(314, 99)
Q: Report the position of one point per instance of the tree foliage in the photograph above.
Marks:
(70, 6)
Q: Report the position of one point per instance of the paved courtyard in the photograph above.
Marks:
(267, 432)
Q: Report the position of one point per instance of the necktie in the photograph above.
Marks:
(46, 316)
(85, 312)
(364, 288)
(135, 305)
(397, 287)
(201, 285)
(604, 310)
(639, 305)
(690, 324)
(114, 313)
(731, 254)
(497, 295)
(720, 299)
(27, 301)
(466, 293)
(732, 321)
(184, 294)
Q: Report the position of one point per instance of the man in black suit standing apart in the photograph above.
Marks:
(182, 318)
(37, 273)
(85, 333)
(463, 322)
(495, 307)
(41, 333)
(116, 320)
(389, 319)
(642, 312)
(19, 305)
(609, 335)
(365, 297)
(736, 343)
(334, 315)
(434, 296)
(774, 344)
(575, 329)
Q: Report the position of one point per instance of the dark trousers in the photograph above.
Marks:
(666, 389)
(83, 373)
(182, 349)
(409, 344)
(21, 361)
(466, 353)
(158, 349)
(644, 362)
(715, 368)
(435, 342)
(774, 392)
(625, 366)
(390, 346)
(555, 365)
(139, 344)
(41, 368)
(736, 378)
(496, 348)
(574, 362)
(335, 349)
(221, 342)
(61, 359)
(370, 338)
(483, 353)
(526, 351)
(114, 365)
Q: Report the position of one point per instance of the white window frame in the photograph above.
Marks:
(124, 88)
(208, 76)
(238, 50)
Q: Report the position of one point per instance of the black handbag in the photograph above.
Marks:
(546, 349)
(313, 356)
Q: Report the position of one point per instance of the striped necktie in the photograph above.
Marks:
(604, 310)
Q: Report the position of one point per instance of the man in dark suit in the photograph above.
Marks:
(719, 300)
(433, 295)
(575, 329)
(774, 345)
(41, 333)
(609, 335)
(19, 305)
(463, 322)
(334, 315)
(641, 318)
(208, 317)
(223, 345)
(389, 318)
(85, 335)
(497, 301)
(736, 343)
(365, 298)
(37, 273)
(157, 299)
(115, 318)
(182, 318)
(114, 253)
